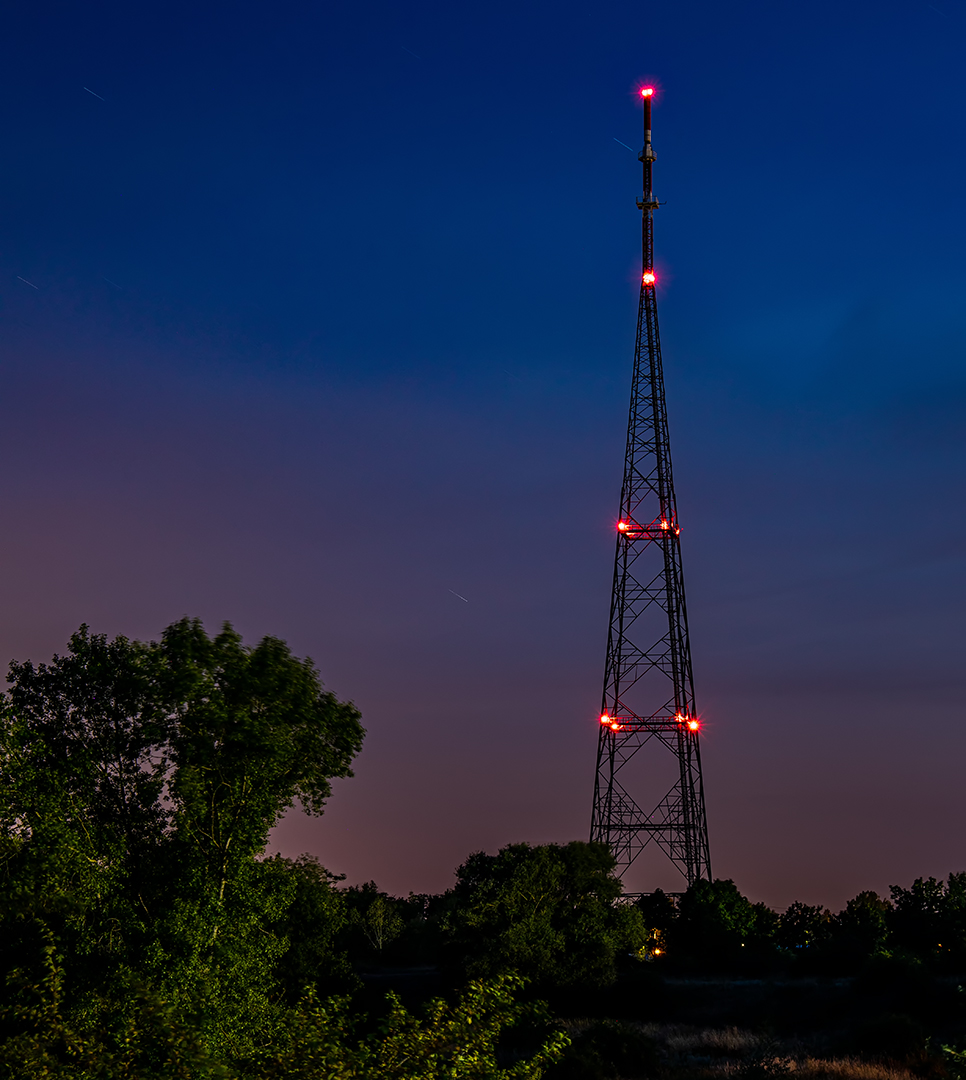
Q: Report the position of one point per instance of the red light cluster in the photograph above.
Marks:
(648, 277)
(647, 91)
(691, 722)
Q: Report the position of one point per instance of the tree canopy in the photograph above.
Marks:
(138, 785)
(547, 912)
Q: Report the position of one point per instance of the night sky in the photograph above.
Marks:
(319, 318)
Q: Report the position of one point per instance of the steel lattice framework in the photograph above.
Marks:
(648, 702)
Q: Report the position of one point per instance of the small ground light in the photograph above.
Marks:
(648, 277)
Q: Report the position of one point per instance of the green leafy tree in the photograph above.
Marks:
(138, 785)
(130, 1035)
(313, 924)
(547, 912)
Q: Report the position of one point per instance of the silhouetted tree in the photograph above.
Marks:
(860, 930)
(929, 918)
(803, 928)
(657, 910)
(717, 926)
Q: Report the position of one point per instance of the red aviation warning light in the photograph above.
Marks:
(691, 722)
(648, 277)
(604, 718)
(622, 526)
(647, 91)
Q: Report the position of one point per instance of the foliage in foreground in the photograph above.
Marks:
(453, 1041)
(143, 1038)
(138, 784)
(143, 934)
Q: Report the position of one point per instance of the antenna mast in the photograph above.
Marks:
(648, 700)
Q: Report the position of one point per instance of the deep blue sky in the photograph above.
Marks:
(331, 312)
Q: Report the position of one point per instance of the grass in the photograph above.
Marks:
(733, 1053)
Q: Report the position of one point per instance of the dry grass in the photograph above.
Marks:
(732, 1053)
(848, 1069)
(705, 1042)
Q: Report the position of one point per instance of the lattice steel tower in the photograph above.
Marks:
(648, 705)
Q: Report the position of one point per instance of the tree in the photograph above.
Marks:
(717, 925)
(313, 925)
(657, 909)
(930, 917)
(374, 918)
(802, 927)
(861, 929)
(138, 785)
(547, 912)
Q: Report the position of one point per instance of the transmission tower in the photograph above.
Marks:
(648, 703)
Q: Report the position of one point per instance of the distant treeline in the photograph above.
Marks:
(516, 911)
(143, 934)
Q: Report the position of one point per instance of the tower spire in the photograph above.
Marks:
(648, 700)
